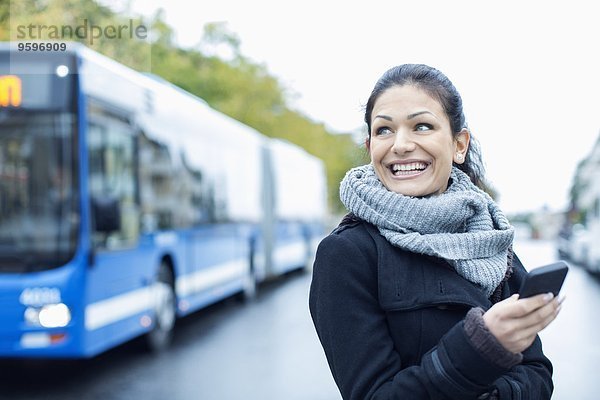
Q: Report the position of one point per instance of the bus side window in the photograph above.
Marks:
(157, 180)
(173, 192)
(111, 145)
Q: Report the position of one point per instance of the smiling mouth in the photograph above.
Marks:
(407, 169)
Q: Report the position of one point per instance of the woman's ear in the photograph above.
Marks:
(461, 146)
(368, 144)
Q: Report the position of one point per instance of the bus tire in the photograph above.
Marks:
(164, 314)
(249, 284)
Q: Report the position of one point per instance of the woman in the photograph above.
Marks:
(413, 294)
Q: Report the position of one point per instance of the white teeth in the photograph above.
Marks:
(409, 167)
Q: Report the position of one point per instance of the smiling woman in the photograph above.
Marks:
(411, 142)
(414, 292)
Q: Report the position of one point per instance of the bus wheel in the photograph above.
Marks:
(164, 316)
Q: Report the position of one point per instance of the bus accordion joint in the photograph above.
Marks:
(10, 91)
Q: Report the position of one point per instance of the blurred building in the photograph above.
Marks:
(585, 190)
(585, 205)
(546, 224)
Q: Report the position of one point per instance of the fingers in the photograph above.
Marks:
(537, 317)
(539, 320)
(523, 307)
(515, 323)
(522, 339)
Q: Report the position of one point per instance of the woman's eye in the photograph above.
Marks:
(384, 130)
(423, 127)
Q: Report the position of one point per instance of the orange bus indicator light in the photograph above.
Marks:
(10, 91)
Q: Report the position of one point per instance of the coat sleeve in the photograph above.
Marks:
(353, 331)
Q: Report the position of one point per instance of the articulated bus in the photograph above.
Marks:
(126, 202)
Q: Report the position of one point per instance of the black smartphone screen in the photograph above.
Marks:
(546, 279)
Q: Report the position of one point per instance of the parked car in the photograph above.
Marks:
(593, 254)
(579, 246)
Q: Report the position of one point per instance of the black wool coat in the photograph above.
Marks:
(391, 324)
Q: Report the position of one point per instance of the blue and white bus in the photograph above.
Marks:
(126, 202)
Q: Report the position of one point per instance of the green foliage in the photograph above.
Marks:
(4, 20)
(233, 85)
(217, 34)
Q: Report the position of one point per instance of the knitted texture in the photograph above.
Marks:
(485, 341)
(463, 225)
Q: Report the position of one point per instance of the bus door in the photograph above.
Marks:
(122, 272)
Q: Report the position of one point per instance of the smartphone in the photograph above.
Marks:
(546, 279)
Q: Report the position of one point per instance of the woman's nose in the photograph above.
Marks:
(403, 143)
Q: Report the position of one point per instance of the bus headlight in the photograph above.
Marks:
(48, 316)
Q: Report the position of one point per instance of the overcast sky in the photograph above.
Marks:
(528, 71)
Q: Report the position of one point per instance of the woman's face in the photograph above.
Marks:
(411, 145)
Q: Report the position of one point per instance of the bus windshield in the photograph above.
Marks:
(39, 207)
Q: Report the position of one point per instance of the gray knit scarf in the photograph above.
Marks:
(463, 225)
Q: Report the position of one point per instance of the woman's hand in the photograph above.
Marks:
(515, 322)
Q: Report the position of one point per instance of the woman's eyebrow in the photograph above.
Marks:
(411, 116)
(386, 117)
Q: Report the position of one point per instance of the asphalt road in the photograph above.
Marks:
(267, 350)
